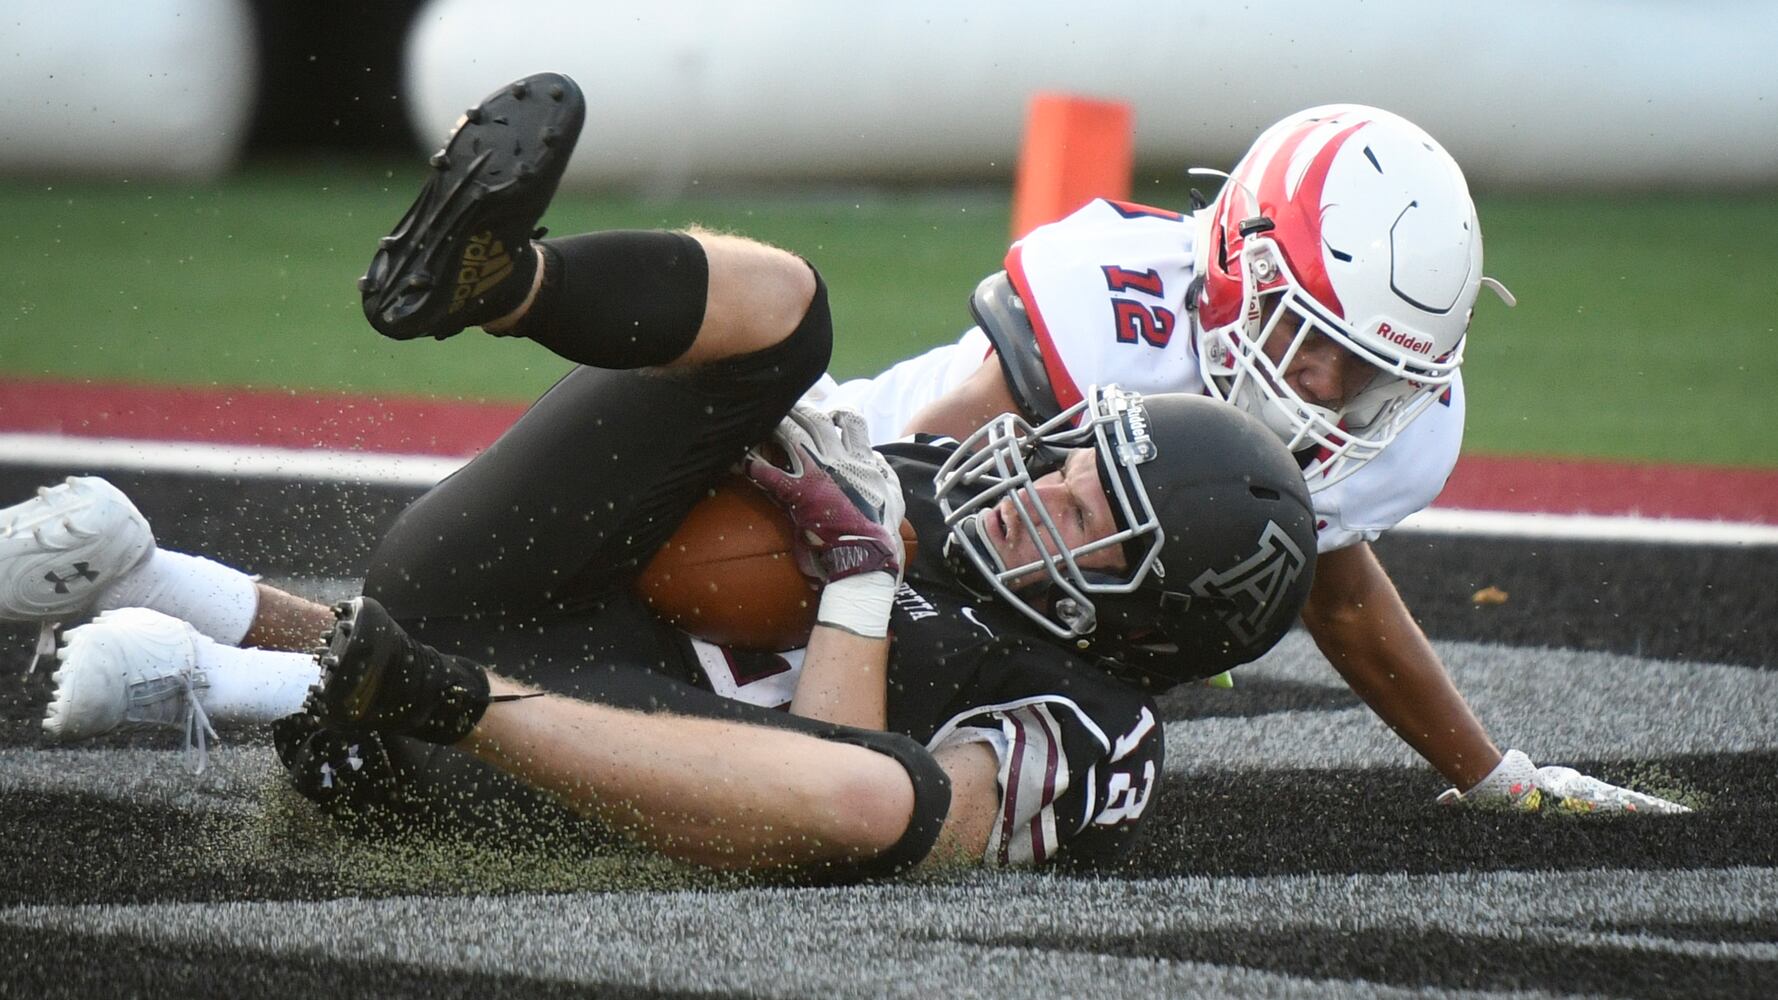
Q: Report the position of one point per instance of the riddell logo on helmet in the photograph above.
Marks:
(1408, 341)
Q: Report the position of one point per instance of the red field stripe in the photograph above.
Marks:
(407, 425)
(252, 417)
(1588, 486)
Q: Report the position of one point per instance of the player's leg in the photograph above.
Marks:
(82, 548)
(138, 667)
(584, 487)
(463, 255)
(286, 621)
(635, 299)
(709, 791)
(695, 344)
(733, 790)
(618, 654)
(160, 651)
(134, 668)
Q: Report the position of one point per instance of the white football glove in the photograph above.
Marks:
(1516, 783)
(842, 496)
(846, 505)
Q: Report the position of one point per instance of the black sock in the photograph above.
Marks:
(620, 299)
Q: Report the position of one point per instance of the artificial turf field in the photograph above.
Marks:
(1294, 849)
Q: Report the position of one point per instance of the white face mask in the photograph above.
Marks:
(1237, 369)
(1362, 226)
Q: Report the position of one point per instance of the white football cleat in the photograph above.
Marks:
(61, 547)
(131, 669)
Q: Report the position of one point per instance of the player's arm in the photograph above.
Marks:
(1013, 378)
(1359, 621)
(1357, 618)
(1036, 779)
(846, 506)
(974, 771)
(962, 411)
(844, 680)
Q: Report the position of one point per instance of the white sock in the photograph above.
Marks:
(217, 600)
(254, 685)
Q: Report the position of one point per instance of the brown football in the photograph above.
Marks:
(728, 575)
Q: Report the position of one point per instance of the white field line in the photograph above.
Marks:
(1587, 527)
(421, 471)
(124, 455)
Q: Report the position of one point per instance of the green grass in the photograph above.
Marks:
(251, 282)
(1644, 330)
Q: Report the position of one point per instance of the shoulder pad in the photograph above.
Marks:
(1001, 314)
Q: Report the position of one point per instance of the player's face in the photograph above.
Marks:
(1322, 373)
(1078, 506)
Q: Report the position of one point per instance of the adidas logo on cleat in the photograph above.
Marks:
(485, 264)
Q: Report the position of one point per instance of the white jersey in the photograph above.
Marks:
(1106, 289)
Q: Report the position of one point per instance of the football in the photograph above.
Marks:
(729, 576)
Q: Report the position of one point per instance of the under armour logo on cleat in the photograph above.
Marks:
(81, 571)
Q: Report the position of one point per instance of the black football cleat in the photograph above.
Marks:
(376, 677)
(462, 255)
(335, 771)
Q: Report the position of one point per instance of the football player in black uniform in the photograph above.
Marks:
(1065, 572)
(992, 700)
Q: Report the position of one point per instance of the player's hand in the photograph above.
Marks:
(1573, 791)
(842, 497)
(1517, 784)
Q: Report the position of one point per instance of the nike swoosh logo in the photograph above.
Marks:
(969, 613)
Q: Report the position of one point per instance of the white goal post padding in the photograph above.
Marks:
(130, 88)
(1523, 92)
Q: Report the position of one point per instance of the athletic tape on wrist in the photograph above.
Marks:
(858, 604)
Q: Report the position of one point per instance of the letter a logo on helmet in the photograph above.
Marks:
(1251, 589)
(1350, 223)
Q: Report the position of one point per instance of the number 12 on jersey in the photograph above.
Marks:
(1136, 321)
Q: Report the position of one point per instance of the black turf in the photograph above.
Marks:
(1670, 602)
(81, 843)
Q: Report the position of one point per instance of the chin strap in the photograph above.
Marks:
(964, 571)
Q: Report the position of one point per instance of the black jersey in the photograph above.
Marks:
(1080, 753)
(523, 559)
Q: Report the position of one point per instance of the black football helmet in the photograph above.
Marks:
(1212, 513)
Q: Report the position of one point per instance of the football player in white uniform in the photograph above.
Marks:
(1327, 289)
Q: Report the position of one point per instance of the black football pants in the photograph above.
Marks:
(522, 561)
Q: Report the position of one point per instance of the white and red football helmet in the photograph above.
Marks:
(1360, 225)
